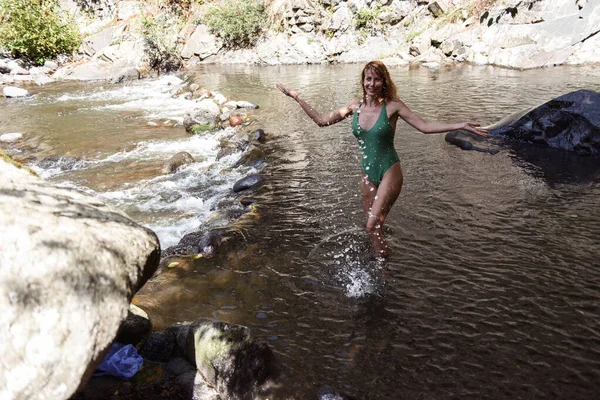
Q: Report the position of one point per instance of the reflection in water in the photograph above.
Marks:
(492, 288)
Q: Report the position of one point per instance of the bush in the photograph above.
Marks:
(160, 40)
(37, 29)
(237, 22)
(367, 19)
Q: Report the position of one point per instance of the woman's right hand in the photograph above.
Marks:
(287, 91)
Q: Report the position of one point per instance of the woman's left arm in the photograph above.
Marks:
(433, 127)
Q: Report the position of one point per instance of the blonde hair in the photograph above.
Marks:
(390, 91)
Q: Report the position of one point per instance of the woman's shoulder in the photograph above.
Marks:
(395, 104)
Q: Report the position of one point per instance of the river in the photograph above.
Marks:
(492, 289)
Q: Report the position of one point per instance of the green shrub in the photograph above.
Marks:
(37, 29)
(160, 41)
(237, 22)
(367, 19)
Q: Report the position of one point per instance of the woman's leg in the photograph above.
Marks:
(385, 197)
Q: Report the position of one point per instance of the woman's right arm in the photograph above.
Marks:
(320, 119)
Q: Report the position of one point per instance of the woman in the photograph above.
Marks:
(374, 125)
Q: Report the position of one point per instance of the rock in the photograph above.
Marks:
(63, 163)
(227, 356)
(246, 104)
(569, 122)
(178, 160)
(341, 19)
(128, 9)
(4, 68)
(206, 113)
(438, 7)
(235, 120)
(69, 268)
(12, 91)
(159, 347)
(259, 135)
(50, 65)
(10, 137)
(253, 157)
(251, 182)
(99, 41)
(202, 43)
(135, 328)
(209, 243)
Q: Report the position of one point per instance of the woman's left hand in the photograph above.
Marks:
(475, 128)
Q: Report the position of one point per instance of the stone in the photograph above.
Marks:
(12, 91)
(227, 356)
(69, 267)
(202, 43)
(438, 7)
(135, 328)
(10, 137)
(235, 120)
(250, 182)
(50, 65)
(178, 160)
(99, 41)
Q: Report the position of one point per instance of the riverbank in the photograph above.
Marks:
(129, 39)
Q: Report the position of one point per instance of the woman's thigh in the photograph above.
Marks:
(387, 192)
(368, 192)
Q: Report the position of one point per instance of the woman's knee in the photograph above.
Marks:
(373, 223)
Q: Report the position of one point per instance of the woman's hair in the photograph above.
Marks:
(390, 91)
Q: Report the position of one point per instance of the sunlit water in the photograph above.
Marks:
(492, 290)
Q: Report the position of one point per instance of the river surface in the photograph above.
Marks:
(493, 286)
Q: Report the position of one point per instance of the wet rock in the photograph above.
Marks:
(253, 157)
(223, 218)
(229, 147)
(235, 120)
(12, 91)
(227, 356)
(10, 137)
(135, 328)
(259, 135)
(178, 160)
(159, 347)
(246, 201)
(63, 163)
(209, 243)
(250, 182)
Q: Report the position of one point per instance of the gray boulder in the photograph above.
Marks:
(202, 44)
(12, 91)
(69, 266)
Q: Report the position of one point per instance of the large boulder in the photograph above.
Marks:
(69, 266)
(227, 357)
(569, 122)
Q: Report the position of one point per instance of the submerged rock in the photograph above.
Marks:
(180, 159)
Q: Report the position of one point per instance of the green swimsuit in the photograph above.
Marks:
(376, 145)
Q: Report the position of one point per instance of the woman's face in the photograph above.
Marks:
(373, 83)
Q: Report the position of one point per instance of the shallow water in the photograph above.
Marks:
(492, 290)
